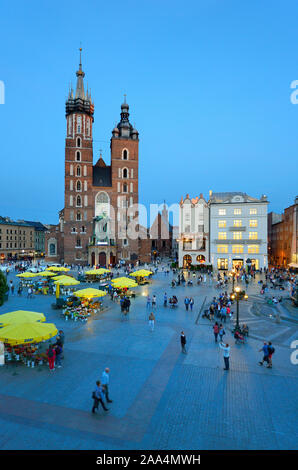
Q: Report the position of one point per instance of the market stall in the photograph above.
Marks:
(100, 275)
(142, 276)
(24, 342)
(26, 279)
(86, 306)
(122, 285)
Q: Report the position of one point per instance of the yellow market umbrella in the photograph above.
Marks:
(98, 271)
(123, 282)
(141, 273)
(57, 269)
(46, 274)
(24, 275)
(21, 316)
(67, 282)
(89, 293)
(26, 333)
(61, 277)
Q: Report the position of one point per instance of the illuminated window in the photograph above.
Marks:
(222, 235)
(237, 235)
(237, 249)
(253, 211)
(237, 211)
(253, 235)
(253, 248)
(253, 223)
(222, 224)
(221, 211)
(222, 248)
(238, 223)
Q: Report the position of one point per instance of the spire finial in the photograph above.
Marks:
(124, 98)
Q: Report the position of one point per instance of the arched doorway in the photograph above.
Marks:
(186, 261)
(92, 258)
(102, 259)
(201, 259)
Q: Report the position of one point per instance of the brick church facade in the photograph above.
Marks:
(100, 200)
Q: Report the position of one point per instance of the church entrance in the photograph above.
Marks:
(92, 258)
(102, 259)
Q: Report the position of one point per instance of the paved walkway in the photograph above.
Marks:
(162, 399)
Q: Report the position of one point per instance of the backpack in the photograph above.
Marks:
(271, 349)
(50, 353)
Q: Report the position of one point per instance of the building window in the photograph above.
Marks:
(79, 216)
(253, 211)
(222, 248)
(237, 211)
(78, 171)
(124, 173)
(222, 235)
(125, 154)
(78, 243)
(237, 235)
(253, 235)
(237, 249)
(253, 223)
(125, 188)
(78, 156)
(222, 211)
(52, 249)
(253, 249)
(238, 223)
(222, 224)
(79, 201)
(78, 142)
(83, 230)
(79, 186)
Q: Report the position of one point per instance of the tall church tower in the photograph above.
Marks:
(125, 182)
(78, 210)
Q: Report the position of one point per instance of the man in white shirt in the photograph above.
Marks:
(226, 350)
(105, 380)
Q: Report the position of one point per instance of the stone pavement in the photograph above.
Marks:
(162, 399)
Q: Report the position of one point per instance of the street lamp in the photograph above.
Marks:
(238, 295)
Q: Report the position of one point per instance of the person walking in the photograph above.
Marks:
(58, 351)
(186, 303)
(215, 331)
(105, 381)
(154, 302)
(226, 354)
(183, 342)
(271, 351)
(223, 313)
(265, 354)
(98, 397)
(51, 353)
(221, 332)
(165, 300)
(151, 321)
(191, 303)
(148, 301)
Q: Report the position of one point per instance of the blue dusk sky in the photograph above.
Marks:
(208, 84)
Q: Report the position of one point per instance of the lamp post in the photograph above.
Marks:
(238, 295)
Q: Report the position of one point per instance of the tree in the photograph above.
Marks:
(3, 287)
